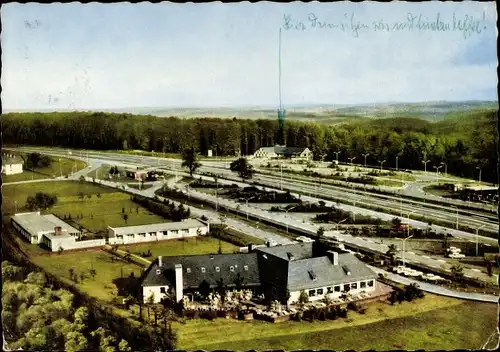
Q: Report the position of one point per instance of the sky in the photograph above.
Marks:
(111, 56)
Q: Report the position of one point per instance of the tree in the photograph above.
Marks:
(81, 195)
(149, 302)
(303, 297)
(41, 201)
(124, 346)
(98, 195)
(221, 288)
(75, 341)
(190, 160)
(92, 273)
(204, 289)
(391, 252)
(243, 168)
(457, 272)
(238, 282)
(60, 250)
(71, 273)
(125, 217)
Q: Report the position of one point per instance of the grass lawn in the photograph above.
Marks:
(66, 166)
(190, 246)
(98, 213)
(432, 323)
(388, 183)
(102, 286)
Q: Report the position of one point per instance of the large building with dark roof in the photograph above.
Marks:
(281, 151)
(276, 271)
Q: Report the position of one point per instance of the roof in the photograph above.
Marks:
(35, 223)
(290, 252)
(195, 277)
(481, 188)
(10, 159)
(166, 226)
(320, 271)
(283, 150)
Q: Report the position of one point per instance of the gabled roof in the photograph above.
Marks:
(320, 271)
(195, 263)
(296, 251)
(11, 159)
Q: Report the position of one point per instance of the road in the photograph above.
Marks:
(436, 289)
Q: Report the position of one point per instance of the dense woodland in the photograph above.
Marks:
(463, 141)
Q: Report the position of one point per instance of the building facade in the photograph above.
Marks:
(279, 151)
(157, 232)
(281, 272)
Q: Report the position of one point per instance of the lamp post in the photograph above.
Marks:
(404, 249)
(457, 214)
(351, 159)
(247, 199)
(437, 172)
(354, 212)
(365, 155)
(445, 168)
(216, 193)
(381, 164)
(477, 167)
(425, 164)
(337, 155)
(477, 238)
(401, 206)
(286, 212)
(340, 222)
(397, 158)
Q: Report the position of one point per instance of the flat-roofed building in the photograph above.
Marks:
(157, 232)
(33, 226)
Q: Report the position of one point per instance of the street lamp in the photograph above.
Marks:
(351, 159)
(365, 155)
(425, 164)
(477, 238)
(404, 249)
(286, 212)
(477, 167)
(397, 158)
(457, 214)
(338, 223)
(381, 164)
(437, 172)
(445, 168)
(247, 199)
(337, 154)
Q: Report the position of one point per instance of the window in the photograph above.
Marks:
(354, 285)
(329, 290)
(185, 231)
(347, 287)
(174, 232)
(319, 291)
(312, 293)
(188, 270)
(370, 283)
(202, 270)
(217, 269)
(162, 290)
(245, 267)
(362, 284)
(231, 268)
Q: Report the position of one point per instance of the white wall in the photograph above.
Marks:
(156, 290)
(294, 295)
(12, 169)
(156, 236)
(69, 243)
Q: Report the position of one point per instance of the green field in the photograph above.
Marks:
(188, 246)
(98, 213)
(66, 166)
(432, 323)
(102, 286)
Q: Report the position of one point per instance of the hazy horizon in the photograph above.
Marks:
(207, 56)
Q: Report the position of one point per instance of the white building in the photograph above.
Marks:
(11, 164)
(51, 231)
(283, 152)
(157, 232)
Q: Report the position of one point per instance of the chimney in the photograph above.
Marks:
(57, 230)
(179, 285)
(333, 256)
(160, 261)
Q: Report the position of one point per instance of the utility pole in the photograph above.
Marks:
(457, 214)
(281, 175)
(437, 172)
(381, 164)
(445, 168)
(397, 158)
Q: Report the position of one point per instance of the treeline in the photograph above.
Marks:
(166, 209)
(38, 314)
(463, 142)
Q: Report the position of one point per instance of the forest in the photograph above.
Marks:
(464, 141)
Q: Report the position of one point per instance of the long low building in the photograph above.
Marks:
(157, 232)
(52, 232)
